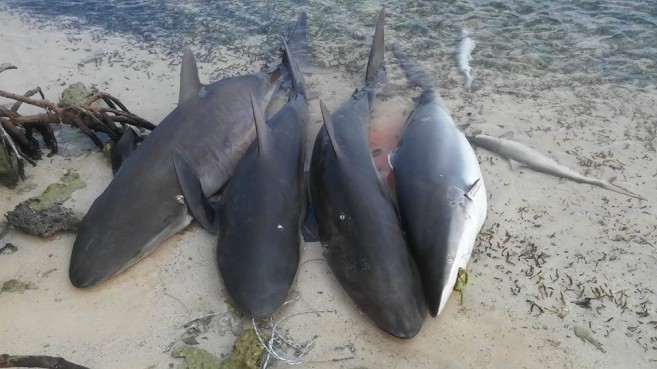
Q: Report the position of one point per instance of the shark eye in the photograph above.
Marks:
(342, 216)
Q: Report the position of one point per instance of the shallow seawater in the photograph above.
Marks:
(588, 40)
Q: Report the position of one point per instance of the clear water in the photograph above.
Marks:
(591, 41)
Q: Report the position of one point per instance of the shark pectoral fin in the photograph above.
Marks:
(124, 146)
(190, 84)
(514, 165)
(330, 129)
(463, 127)
(262, 130)
(507, 135)
(472, 192)
(204, 212)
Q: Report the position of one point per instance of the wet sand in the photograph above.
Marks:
(547, 244)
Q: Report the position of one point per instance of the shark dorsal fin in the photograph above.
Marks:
(262, 130)
(328, 123)
(375, 63)
(190, 84)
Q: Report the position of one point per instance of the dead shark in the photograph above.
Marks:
(439, 187)
(358, 225)
(261, 207)
(516, 152)
(211, 129)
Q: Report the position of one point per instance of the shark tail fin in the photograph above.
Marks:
(610, 185)
(298, 40)
(296, 78)
(298, 46)
(416, 74)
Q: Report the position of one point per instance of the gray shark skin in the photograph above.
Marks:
(439, 188)
(358, 225)
(261, 208)
(534, 160)
(212, 127)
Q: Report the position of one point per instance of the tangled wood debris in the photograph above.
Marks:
(17, 131)
(8, 361)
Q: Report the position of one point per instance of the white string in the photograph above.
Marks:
(271, 350)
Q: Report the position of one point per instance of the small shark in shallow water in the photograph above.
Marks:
(464, 50)
(532, 159)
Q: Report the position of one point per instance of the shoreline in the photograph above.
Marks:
(543, 238)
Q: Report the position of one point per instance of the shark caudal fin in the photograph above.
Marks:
(298, 46)
(296, 78)
(417, 75)
(298, 41)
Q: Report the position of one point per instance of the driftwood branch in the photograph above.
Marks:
(16, 136)
(50, 362)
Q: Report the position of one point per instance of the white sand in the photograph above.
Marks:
(596, 238)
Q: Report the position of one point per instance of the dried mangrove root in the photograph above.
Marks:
(17, 131)
(51, 362)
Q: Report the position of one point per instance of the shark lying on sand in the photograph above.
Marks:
(440, 190)
(514, 151)
(358, 225)
(211, 129)
(261, 207)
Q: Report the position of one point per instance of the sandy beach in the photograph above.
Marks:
(553, 255)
